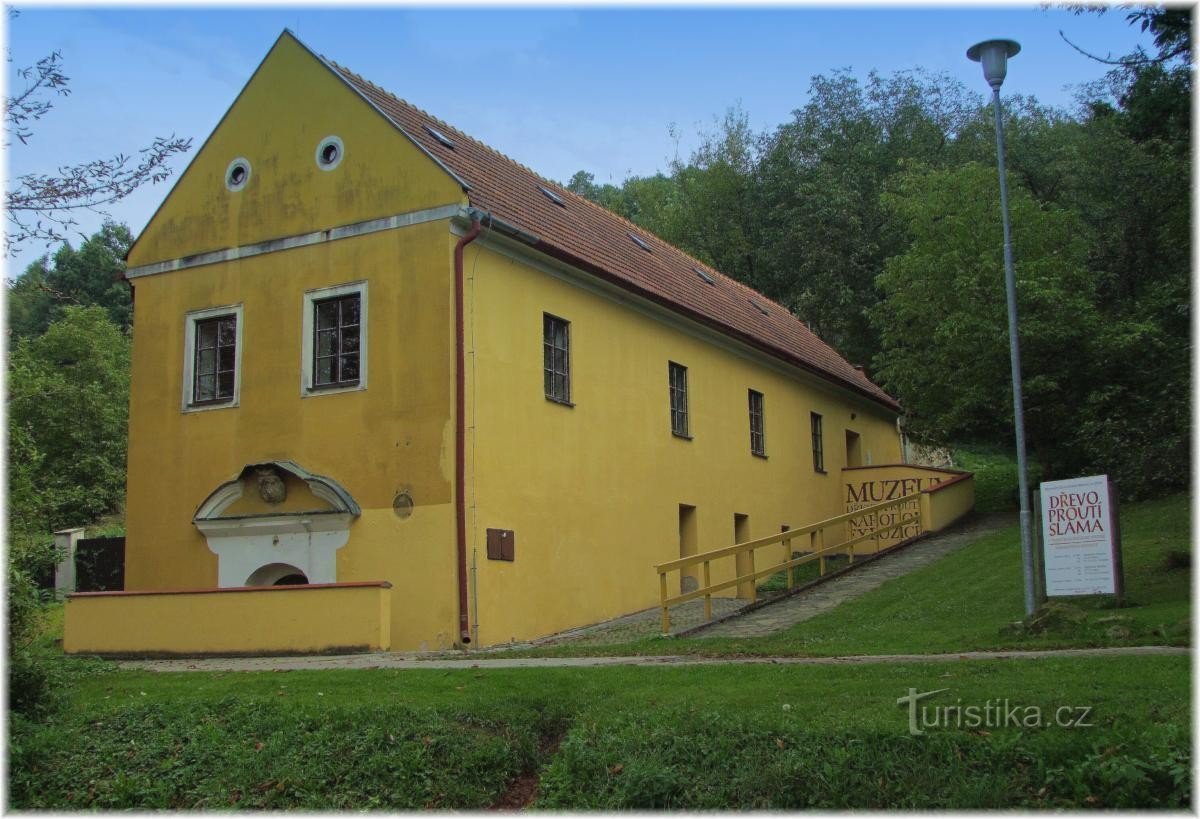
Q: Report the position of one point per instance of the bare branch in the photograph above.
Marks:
(1138, 58)
(28, 107)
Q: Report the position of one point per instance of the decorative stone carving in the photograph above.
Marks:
(271, 487)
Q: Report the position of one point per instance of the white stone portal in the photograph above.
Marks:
(258, 550)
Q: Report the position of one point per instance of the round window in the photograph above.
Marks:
(237, 174)
(329, 153)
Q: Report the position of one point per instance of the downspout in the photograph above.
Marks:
(460, 431)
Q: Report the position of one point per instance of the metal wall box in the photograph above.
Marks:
(501, 544)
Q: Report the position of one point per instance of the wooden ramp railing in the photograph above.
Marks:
(787, 564)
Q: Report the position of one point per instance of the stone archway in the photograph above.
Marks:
(258, 529)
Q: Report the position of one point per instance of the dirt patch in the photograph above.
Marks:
(521, 792)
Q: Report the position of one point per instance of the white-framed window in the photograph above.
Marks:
(334, 347)
(212, 358)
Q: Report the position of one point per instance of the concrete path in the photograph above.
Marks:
(413, 661)
(807, 604)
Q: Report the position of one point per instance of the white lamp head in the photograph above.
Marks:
(994, 55)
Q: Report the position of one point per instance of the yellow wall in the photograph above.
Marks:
(592, 492)
(287, 108)
(868, 486)
(395, 435)
(293, 619)
(948, 502)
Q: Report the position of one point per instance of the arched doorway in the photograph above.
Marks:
(276, 521)
(277, 574)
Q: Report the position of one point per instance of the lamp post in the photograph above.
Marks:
(994, 54)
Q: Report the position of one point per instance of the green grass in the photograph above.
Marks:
(963, 601)
(995, 476)
(112, 525)
(760, 736)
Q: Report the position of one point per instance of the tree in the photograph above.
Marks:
(943, 319)
(90, 275)
(68, 408)
(40, 206)
(826, 235)
(606, 195)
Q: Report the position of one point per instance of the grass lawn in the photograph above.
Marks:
(761, 736)
(702, 737)
(962, 603)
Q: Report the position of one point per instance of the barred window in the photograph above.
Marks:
(758, 444)
(215, 364)
(556, 356)
(677, 384)
(336, 341)
(817, 445)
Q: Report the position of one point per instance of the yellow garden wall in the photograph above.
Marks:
(870, 485)
(948, 501)
(274, 620)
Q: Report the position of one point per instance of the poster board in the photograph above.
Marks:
(1081, 539)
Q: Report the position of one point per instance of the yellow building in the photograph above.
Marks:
(377, 358)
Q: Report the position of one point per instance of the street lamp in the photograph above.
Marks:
(993, 55)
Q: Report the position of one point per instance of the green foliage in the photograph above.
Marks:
(88, 276)
(943, 319)
(996, 481)
(68, 412)
(68, 398)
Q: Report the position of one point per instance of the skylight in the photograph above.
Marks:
(552, 196)
(760, 308)
(440, 137)
(640, 242)
(707, 279)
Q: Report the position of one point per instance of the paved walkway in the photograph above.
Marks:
(645, 623)
(414, 661)
(807, 604)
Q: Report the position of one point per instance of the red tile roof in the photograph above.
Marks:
(598, 241)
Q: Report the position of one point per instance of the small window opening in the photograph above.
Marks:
(637, 240)
(707, 279)
(439, 136)
(552, 196)
(330, 151)
(818, 444)
(556, 348)
(760, 308)
(237, 174)
(677, 387)
(758, 444)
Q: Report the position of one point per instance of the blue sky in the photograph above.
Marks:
(557, 89)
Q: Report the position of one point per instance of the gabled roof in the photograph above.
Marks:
(602, 243)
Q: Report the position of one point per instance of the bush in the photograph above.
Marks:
(996, 481)
(30, 680)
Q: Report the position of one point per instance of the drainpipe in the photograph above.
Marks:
(460, 431)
